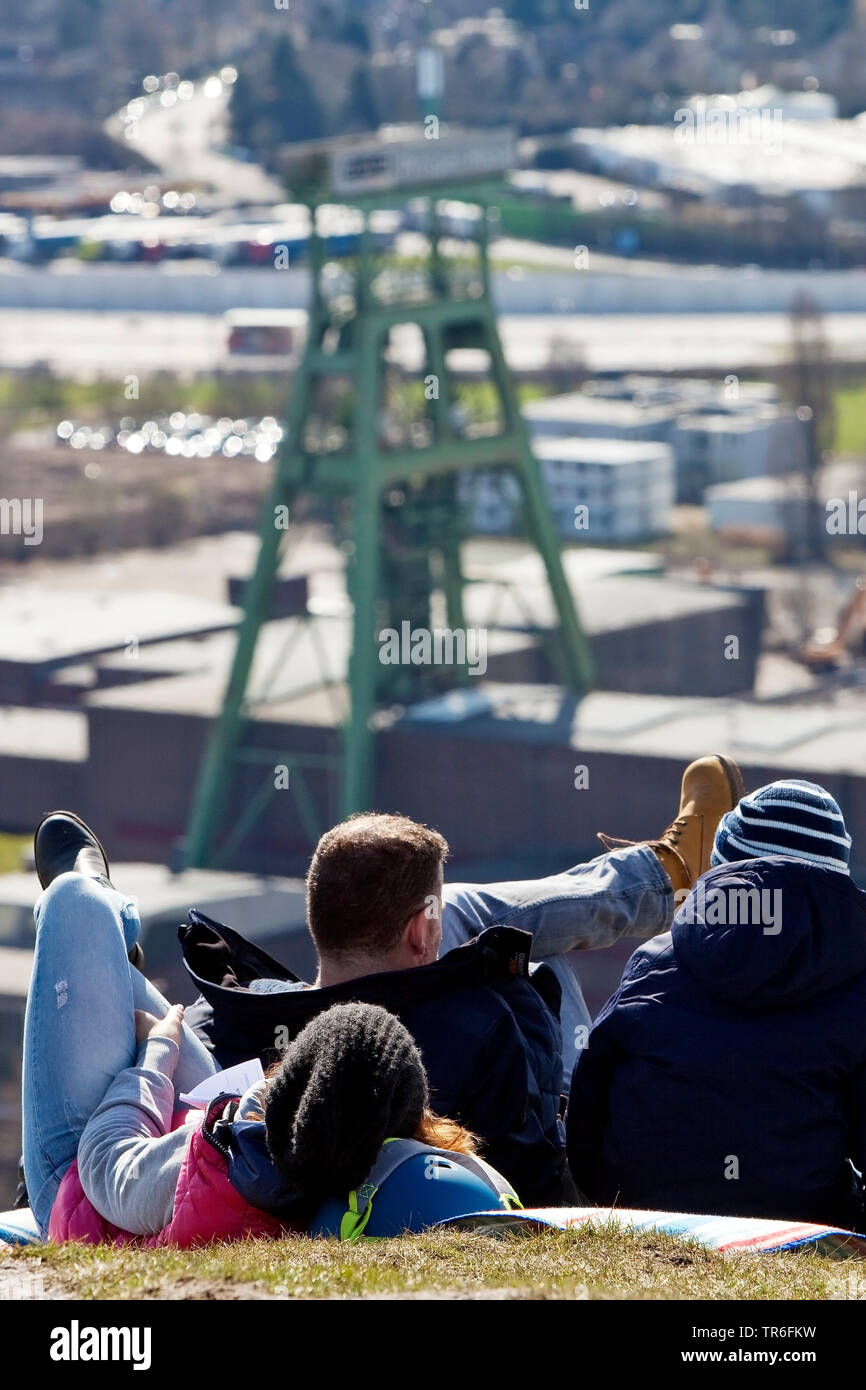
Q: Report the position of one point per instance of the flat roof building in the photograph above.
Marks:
(770, 148)
(602, 490)
(713, 447)
(596, 415)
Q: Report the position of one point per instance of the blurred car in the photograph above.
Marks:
(265, 332)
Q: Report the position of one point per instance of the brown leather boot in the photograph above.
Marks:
(711, 787)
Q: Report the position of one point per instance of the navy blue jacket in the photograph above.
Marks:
(728, 1072)
(488, 1032)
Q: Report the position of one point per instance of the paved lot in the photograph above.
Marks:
(117, 343)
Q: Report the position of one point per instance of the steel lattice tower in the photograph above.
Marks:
(401, 499)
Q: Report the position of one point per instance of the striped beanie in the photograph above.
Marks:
(795, 818)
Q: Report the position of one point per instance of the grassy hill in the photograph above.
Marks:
(592, 1263)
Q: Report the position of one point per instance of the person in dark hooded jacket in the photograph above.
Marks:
(727, 1074)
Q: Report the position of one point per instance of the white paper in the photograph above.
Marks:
(234, 1080)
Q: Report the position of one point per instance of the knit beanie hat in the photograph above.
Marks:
(350, 1080)
(794, 818)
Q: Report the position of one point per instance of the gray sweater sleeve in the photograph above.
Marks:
(129, 1160)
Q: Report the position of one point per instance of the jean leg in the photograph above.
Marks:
(79, 1028)
(194, 1062)
(625, 893)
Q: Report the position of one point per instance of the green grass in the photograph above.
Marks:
(594, 1262)
(11, 847)
(36, 399)
(851, 420)
(32, 399)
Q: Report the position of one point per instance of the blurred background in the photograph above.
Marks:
(675, 251)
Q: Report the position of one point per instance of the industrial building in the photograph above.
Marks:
(775, 511)
(93, 708)
(715, 446)
(594, 415)
(768, 511)
(719, 431)
(605, 490)
(765, 143)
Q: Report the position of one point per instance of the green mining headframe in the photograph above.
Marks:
(400, 491)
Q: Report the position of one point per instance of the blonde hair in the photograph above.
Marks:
(441, 1133)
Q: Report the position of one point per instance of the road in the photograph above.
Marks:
(84, 326)
(84, 343)
(184, 141)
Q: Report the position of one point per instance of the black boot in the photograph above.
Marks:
(64, 844)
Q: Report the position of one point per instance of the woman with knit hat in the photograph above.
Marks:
(727, 1074)
(339, 1139)
(347, 1118)
(112, 1149)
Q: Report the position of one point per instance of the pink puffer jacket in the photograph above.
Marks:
(206, 1206)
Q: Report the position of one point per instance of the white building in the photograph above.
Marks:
(600, 490)
(778, 144)
(776, 510)
(724, 446)
(770, 511)
(792, 106)
(720, 431)
(596, 416)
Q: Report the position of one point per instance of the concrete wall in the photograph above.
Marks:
(685, 657)
(143, 811)
(33, 785)
(715, 291)
(138, 781)
(138, 784)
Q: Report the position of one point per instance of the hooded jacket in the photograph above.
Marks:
(727, 1074)
(488, 1032)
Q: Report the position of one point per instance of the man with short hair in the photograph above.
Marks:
(374, 897)
(488, 1029)
(727, 1074)
(498, 1036)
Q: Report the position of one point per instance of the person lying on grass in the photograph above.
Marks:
(111, 1154)
(498, 1035)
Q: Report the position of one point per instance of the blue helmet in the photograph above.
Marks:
(414, 1186)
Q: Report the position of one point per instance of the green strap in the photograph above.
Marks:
(353, 1221)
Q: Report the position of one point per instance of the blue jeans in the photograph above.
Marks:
(626, 893)
(79, 1029)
